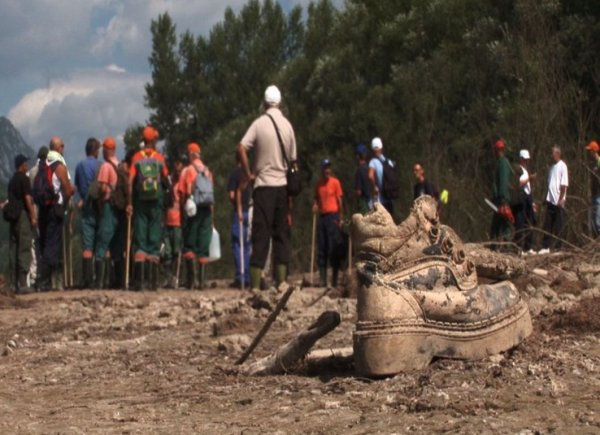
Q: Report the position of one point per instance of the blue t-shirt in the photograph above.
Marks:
(85, 173)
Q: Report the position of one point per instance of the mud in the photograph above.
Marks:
(123, 362)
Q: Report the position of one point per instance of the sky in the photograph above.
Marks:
(77, 68)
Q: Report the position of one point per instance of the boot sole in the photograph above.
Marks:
(387, 348)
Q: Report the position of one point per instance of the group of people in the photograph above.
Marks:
(513, 197)
(164, 217)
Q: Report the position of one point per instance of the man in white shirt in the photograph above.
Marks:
(523, 211)
(558, 182)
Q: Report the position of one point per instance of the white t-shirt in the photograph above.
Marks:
(558, 176)
(525, 177)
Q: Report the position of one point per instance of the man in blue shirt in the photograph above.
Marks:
(86, 172)
(376, 176)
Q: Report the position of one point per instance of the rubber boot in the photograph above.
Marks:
(334, 278)
(322, 277)
(118, 276)
(108, 273)
(43, 281)
(255, 278)
(152, 275)
(22, 287)
(202, 268)
(190, 273)
(100, 268)
(280, 274)
(175, 281)
(138, 275)
(167, 268)
(87, 266)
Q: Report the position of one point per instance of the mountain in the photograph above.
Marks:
(11, 144)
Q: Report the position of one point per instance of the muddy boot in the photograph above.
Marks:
(334, 278)
(118, 275)
(100, 268)
(138, 275)
(322, 277)
(190, 273)
(280, 274)
(108, 274)
(87, 267)
(152, 275)
(167, 269)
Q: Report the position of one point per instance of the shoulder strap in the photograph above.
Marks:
(287, 163)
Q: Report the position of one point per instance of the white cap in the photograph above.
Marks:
(272, 95)
(376, 144)
(524, 154)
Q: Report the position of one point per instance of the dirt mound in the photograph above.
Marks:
(582, 318)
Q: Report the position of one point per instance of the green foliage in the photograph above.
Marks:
(439, 81)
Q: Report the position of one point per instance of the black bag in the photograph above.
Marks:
(294, 184)
(12, 211)
(390, 185)
(42, 190)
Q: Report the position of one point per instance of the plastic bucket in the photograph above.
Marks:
(214, 250)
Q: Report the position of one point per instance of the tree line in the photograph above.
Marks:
(438, 80)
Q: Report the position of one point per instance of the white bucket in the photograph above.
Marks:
(214, 250)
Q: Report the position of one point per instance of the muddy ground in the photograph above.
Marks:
(124, 362)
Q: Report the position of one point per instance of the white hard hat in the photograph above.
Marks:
(272, 95)
(524, 154)
(376, 144)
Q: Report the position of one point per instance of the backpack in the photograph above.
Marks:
(390, 185)
(203, 188)
(148, 179)
(118, 197)
(42, 190)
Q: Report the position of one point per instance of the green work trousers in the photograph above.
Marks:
(147, 228)
(89, 222)
(19, 247)
(111, 233)
(197, 233)
(172, 241)
(362, 205)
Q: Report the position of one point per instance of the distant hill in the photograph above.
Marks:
(11, 144)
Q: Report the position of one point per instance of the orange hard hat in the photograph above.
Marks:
(499, 145)
(149, 133)
(193, 148)
(593, 146)
(109, 143)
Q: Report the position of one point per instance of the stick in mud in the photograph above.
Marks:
(282, 302)
(285, 358)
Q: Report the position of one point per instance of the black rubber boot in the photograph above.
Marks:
(118, 275)
(334, 278)
(322, 277)
(190, 273)
(44, 278)
(100, 268)
(152, 275)
(108, 273)
(87, 269)
(138, 275)
(202, 276)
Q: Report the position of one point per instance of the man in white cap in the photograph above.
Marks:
(523, 210)
(267, 135)
(384, 188)
(556, 199)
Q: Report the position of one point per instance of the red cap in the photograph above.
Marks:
(593, 146)
(150, 133)
(499, 145)
(193, 148)
(109, 143)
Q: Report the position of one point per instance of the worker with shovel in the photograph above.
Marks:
(503, 219)
(240, 193)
